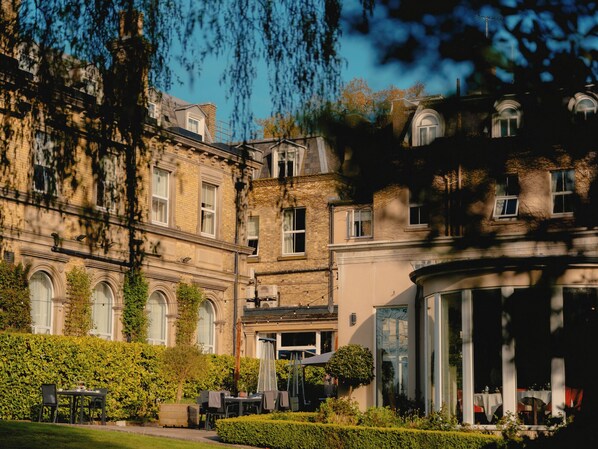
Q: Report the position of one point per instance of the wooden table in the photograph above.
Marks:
(77, 398)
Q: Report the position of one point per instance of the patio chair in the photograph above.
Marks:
(283, 403)
(218, 408)
(49, 402)
(202, 401)
(269, 399)
(94, 406)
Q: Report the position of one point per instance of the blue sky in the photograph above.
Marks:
(359, 63)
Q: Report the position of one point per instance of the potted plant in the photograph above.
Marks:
(352, 365)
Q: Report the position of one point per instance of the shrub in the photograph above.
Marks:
(189, 297)
(379, 417)
(338, 411)
(15, 302)
(352, 365)
(183, 363)
(77, 322)
(135, 295)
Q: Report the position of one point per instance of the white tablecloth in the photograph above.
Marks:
(490, 402)
(544, 395)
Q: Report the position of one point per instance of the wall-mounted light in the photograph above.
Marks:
(353, 319)
(80, 237)
(185, 259)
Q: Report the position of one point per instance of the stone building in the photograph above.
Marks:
(477, 276)
(292, 296)
(63, 205)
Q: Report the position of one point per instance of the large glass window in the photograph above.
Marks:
(106, 184)
(293, 228)
(509, 122)
(562, 187)
(451, 351)
(205, 327)
(392, 372)
(487, 355)
(419, 214)
(208, 209)
(528, 311)
(160, 196)
(44, 174)
(156, 315)
(101, 311)
(580, 313)
(40, 288)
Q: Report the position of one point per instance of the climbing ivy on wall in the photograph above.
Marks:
(189, 298)
(77, 321)
(135, 295)
(15, 302)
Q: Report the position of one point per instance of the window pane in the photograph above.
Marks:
(452, 353)
(160, 183)
(299, 219)
(156, 313)
(487, 352)
(205, 327)
(299, 242)
(40, 288)
(101, 311)
(298, 339)
(392, 356)
(159, 210)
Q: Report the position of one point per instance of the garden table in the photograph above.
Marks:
(77, 398)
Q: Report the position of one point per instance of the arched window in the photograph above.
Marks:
(427, 126)
(205, 327)
(585, 108)
(101, 311)
(41, 291)
(156, 315)
(507, 119)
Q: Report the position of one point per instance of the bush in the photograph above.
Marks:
(77, 322)
(15, 302)
(352, 365)
(379, 417)
(338, 411)
(269, 431)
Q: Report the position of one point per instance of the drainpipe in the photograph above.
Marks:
(330, 259)
(239, 186)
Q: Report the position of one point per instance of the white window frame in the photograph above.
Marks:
(418, 204)
(585, 111)
(253, 234)
(561, 193)
(207, 309)
(501, 201)
(293, 231)
(161, 302)
(108, 312)
(499, 117)
(193, 124)
(37, 303)
(285, 156)
(158, 199)
(43, 146)
(109, 170)
(422, 123)
(355, 221)
(209, 210)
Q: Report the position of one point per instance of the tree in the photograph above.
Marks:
(189, 298)
(352, 365)
(182, 363)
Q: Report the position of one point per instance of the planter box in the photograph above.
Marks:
(178, 415)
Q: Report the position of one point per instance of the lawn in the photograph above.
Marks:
(25, 435)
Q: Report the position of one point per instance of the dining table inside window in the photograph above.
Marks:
(490, 402)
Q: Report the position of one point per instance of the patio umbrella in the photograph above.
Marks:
(318, 360)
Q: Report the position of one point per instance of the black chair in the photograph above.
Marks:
(218, 408)
(94, 407)
(202, 401)
(49, 402)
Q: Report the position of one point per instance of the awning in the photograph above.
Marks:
(318, 360)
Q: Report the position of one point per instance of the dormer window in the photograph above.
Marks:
(585, 108)
(427, 126)
(507, 119)
(152, 112)
(193, 125)
(286, 162)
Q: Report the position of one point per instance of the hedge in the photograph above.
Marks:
(131, 372)
(264, 431)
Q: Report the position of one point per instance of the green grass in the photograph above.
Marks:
(25, 435)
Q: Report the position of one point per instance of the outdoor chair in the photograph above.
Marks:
(49, 402)
(532, 410)
(269, 399)
(95, 405)
(202, 401)
(218, 408)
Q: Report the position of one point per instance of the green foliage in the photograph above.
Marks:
(379, 417)
(135, 294)
(339, 411)
(510, 426)
(77, 322)
(352, 365)
(189, 298)
(274, 433)
(182, 363)
(15, 301)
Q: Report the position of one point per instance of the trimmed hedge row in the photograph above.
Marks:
(132, 372)
(264, 431)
